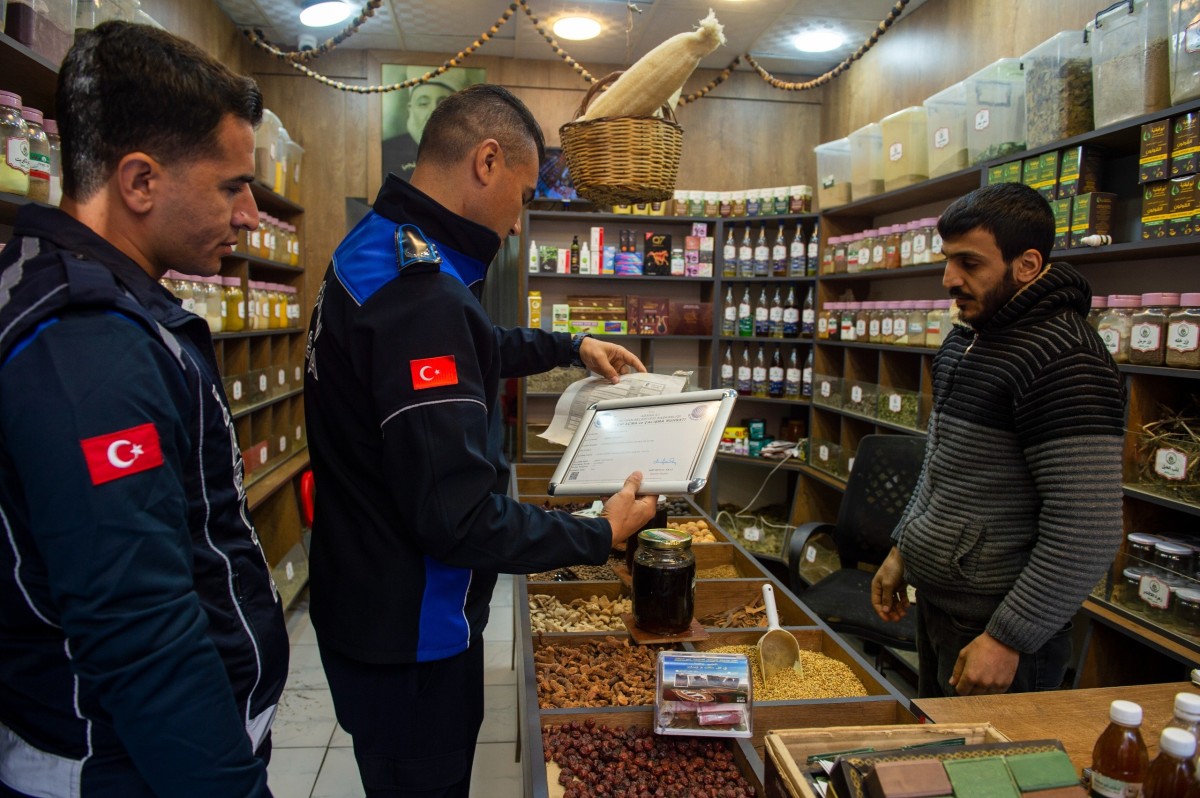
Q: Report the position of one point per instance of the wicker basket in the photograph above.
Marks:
(622, 160)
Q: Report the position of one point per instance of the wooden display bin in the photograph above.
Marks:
(579, 639)
(718, 554)
(788, 749)
(724, 594)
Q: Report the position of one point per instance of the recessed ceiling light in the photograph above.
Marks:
(818, 40)
(323, 13)
(577, 28)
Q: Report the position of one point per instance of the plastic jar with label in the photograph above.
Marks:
(278, 307)
(834, 332)
(862, 320)
(874, 321)
(920, 243)
(1126, 590)
(935, 242)
(892, 247)
(1158, 591)
(906, 243)
(1140, 547)
(878, 249)
(853, 245)
(664, 581)
(293, 306)
(1176, 558)
(900, 311)
(1099, 305)
(51, 128)
(39, 156)
(1148, 328)
(235, 305)
(1187, 611)
(917, 317)
(214, 303)
(14, 171)
(1183, 333)
(1116, 323)
(846, 325)
(937, 322)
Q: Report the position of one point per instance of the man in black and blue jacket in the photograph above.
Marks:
(142, 645)
(412, 522)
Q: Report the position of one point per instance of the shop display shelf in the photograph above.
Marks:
(825, 478)
(271, 478)
(721, 554)
(923, 270)
(1160, 638)
(225, 336)
(738, 221)
(10, 204)
(1128, 250)
(1160, 371)
(38, 75)
(245, 411)
(644, 278)
(270, 201)
(629, 337)
(788, 465)
(872, 420)
(1141, 493)
(773, 401)
(767, 280)
(945, 187)
(916, 350)
(594, 217)
(258, 264)
(764, 339)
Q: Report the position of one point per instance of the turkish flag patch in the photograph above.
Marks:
(433, 372)
(120, 454)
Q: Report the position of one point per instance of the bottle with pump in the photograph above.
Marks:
(792, 378)
(762, 316)
(745, 316)
(760, 373)
(1172, 774)
(585, 259)
(808, 315)
(745, 379)
(791, 315)
(775, 317)
(775, 375)
(796, 254)
(534, 266)
(729, 260)
(574, 254)
(729, 314)
(779, 256)
(727, 378)
(1119, 758)
(812, 258)
(746, 256)
(807, 377)
(762, 255)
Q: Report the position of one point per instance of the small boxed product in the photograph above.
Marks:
(1047, 171)
(1031, 171)
(598, 327)
(703, 694)
(597, 308)
(648, 315)
(548, 259)
(691, 318)
(691, 256)
(596, 242)
(1185, 144)
(657, 254)
(560, 318)
(707, 248)
(1062, 222)
(1183, 207)
(1079, 171)
(1154, 155)
(1010, 172)
(1156, 206)
(1091, 214)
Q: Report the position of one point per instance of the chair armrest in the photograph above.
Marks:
(795, 550)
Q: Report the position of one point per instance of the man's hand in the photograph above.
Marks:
(626, 511)
(889, 594)
(608, 359)
(985, 666)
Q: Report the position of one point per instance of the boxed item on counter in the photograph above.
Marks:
(657, 254)
(1091, 214)
(648, 315)
(1154, 154)
(1156, 206)
(1062, 222)
(1182, 207)
(698, 693)
(1079, 171)
(1185, 144)
(691, 318)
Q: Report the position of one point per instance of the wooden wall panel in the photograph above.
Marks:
(204, 25)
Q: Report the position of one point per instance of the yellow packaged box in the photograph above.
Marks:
(1156, 205)
(1062, 221)
(1155, 152)
(1091, 214)
(1185, 144)
(1183, 207)
(1079, 171)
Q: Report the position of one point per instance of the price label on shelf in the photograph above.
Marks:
(1170, 464)
(894, 404)
(752, 534)
(810, 554)
(856, 394)
(941, 138)
(1154, 592)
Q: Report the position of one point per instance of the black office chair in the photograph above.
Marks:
(885, 473)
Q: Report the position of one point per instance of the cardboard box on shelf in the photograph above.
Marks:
(1062, 222)
(1154, 154)
(1183, 207)
(1185, 144)
(598, 327)
(1079, 171)
(1047, 175)
(1091, 214)
(648, 315)
(707, 248)
(691, 256)
(657, 254)
(691, 318)
(1156, 206)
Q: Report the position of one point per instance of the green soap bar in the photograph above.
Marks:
(1043, 770)
(985, 777)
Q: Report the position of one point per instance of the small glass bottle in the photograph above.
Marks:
(762, 316)
(1172, 774)
(1099, 305)
(14, 166)
(51, 128)
(1119, 758)
(235, 305)
(891, 247)
(1116, 323)
(39, 156)
(839, 253)
(1183, 333)
(664, 581)
(1148, 330)
(759, 374)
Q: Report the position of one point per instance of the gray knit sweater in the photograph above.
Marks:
(1017, 513)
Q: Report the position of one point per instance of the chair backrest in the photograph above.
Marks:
(886, 468)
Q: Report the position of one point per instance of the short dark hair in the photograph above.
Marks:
(134, 88)
(1018, 217)
(479, 112)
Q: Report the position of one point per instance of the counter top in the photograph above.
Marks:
(1074, 717)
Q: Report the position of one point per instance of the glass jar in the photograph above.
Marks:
(862, 319)
(1116, 323)
(199, 296)
(874, 320)
(846, 325)
(279, 318)
(739, 203)
(1187, 611)
(1157, 592)
(892, 245)
(1176, 558)
(1183, 333)
(51, 128)
(900, 311)
(254, 245)
(214, 296)
(14, 166)
(235, 305)
(839, 253)
(1148, 330)
(1140, 547)
(937, 322)
(293, 305)
(826, 257)
(1099, 304)
(664, 581)
(878, 249)
(917, 317)
(935, 242)
(1127, 590)
(886, 335)
(39, 156)
(906, 243)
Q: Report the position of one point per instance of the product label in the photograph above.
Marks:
(760, 314)
(1145, 337)
(1114, 788)
(877, 254)
(290, 570)
(918, 244)
(873, 328)
(885, 327)
(1183, 336)
(905, 250)
(727, 372)
(730, 253)
(807, 378)
(793, 375)
(298, 372)
(743, 373)
(776, 314)
(262, 456)
(856, 394)
(808, 317)
(895, 151)
(1111, 338)
(39, 165)
(822, 327)
(761, 253)
(189, 305)
(775, 374)
(730, 313)
(1191, 40)
(262, 383)
(941, 138)
(894, 402)
(760, 374)
(241, 310)
(743, 310)
(823, 453)
(791, 316)
(1154, 592)
(282, 444)
(752, 534)
(16, 154)
(281, 377)
(237, 390)
(779, 253)
(983, 118)
(935, 243)
(810, 554)
(1170, 464)
(864, 256)
(797, 249)
(299, 432)
(826, 389)
(255, 239)
(860, 328)
(224, 309)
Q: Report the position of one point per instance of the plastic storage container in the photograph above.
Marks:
(45, 26)
(1185, 50)
(866, 161)
(995, 111)
(295, 157)
(1058, 89)
(946, 130)
(905, 156)
(1130, 60)
(266, 148)
(90, 13)
(14, 167)
(833, 173)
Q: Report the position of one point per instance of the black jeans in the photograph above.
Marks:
(940, 638)
(414, 725)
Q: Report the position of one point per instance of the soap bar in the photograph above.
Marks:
(908, 778)
(1043, 770)
(985, 777)
(1075, 791)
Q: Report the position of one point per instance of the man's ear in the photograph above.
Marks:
(486, 162)
(1027, 267)
(137, 176)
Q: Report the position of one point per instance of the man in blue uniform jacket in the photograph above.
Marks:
(142, 644)
(412, 524)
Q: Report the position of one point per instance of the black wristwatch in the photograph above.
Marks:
(576, 343)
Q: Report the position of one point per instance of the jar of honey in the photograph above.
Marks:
(664, 581)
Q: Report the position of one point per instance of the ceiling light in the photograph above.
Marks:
(323, 13)
(577, 28)
(818, 40)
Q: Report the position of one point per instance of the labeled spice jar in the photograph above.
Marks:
(1141, 546)
(1127, 590)
(891, 247)
(1177, 558)
(664, 581)
(14, 170)
(1147, 335)
(1187, 611)
(1183, 333)
(1099, 304)
(39, 155)
(920, 242)
(878, 248)
(874, 321)
(900, 312)
(1116, 323)
(906, 243)
(937, 322)
(916, 322)
(1158, 591)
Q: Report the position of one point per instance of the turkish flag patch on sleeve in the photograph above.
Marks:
(433, 372)
(119, 454)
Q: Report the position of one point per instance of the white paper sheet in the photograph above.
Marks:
(582, 394)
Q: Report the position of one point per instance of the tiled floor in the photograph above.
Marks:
(312, 757)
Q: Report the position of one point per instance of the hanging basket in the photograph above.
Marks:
(622, 160)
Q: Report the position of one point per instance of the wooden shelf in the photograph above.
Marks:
(870, 420)
(630, 277)
(924, 270)
(1135, 492)
(774, 401)
(245, 411)
(784, 465)
(258, 264)
(269, 479)
(763, 339)
(824, 477)
(34, 77)
(739, 221)
(629, 337)
(1160, 371)
(1129, 250)
(589, 216)
(274, 203)
(912, 350)
(225, 336)
(751, 280)
(945, 187)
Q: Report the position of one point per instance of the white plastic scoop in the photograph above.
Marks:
(777, 649)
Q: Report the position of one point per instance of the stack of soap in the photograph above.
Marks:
(908, 778)
(984, 777)
(1045, 774)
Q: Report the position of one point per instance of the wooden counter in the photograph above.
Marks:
(1075, 717)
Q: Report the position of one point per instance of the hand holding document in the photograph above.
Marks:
(581, 395)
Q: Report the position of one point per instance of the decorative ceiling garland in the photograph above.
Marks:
(295, 58)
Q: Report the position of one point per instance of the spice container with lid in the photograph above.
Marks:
(1099, 304)
(946, 130)
(905, 156)
(891, 247)
(1183, 333)
(52, 137)
(1116, 323)
(1148, 330)
(1130, 60)
(1141, 546)
(866, 161)
(1157, 591)
(1187, 611)
(1127, 590)
(878, 249)
(935, 241)
(39, 156)
(833, 173)
(1058, 89)
(937, 322)
(1176, 558)
(995, 111)
(664, 581)
(14, 168)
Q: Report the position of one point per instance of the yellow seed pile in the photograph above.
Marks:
(823, 677)
(596, 614)
(697, 529)
(719, 572)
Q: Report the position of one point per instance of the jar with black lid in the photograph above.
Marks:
(664, 581)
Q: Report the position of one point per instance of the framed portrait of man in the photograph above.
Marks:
(406, 111)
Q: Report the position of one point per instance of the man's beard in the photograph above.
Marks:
(991, 302)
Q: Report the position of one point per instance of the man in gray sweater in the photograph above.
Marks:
(1017, 512)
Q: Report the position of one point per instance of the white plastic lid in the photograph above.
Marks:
(1187, 705)
(1143, 538)
(1178, 742)
(1126, 713)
